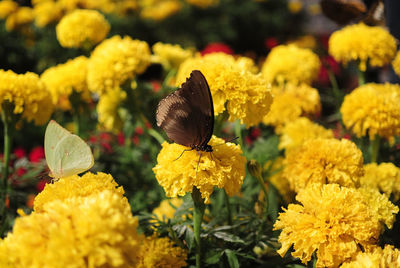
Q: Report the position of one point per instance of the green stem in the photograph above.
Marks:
(375, 144)
(361, 77)
(228, 208)
(198, 213)
(335, 86)
(156, 135)
(77, 123)
(238, 132)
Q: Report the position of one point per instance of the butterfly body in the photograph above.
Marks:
(187, 115)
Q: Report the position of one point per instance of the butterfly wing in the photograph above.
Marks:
(187, 115)
(66, 154)
(343, 11)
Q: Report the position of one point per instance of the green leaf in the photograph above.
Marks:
(189, 238)
(212, 257)
(228, 237)
(232, 259)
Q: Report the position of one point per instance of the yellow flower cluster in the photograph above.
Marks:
(289, 63)
(224, 168)
(81, 26)
(385, 177)
(47, 12)
(7, 7)
(376, 257)
(331, 221)
(202, 3)
(167, 208)
(324, 161)
(231, 81)
(295, 133)
(396, 64)
(291, 102)
(373, 108)
(367, 44)
(64, 79)
(160, 252)
(27, 94)
(170, 56)
(159, 9)
(115, 61)
(86, 229)
(107, 109)
(21, 17)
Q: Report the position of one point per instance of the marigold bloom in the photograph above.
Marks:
(170, 56)
(359, 42)
(289, 63)
(160, 252)
(377, 257)
(47, 12)
(76, 186)
(97, 230)
(224, 168)
(21, 17)
(7, 7)
(27, 94)
(373, 109)
(324, 161)
(295, 133)
(107, 109)
(167, 208)
(292, 102)
(202, 3)
(115, 61)
(231, 81)
(331, 221)
(80, 26)
(64, 79)
(159, 9)
(385, 177)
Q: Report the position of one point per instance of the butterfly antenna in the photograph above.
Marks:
(186, 150)
(227, 141)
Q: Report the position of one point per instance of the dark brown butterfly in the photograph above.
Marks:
(187, 115)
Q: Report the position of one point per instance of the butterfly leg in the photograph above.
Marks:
(186, 150)
(198, 162)
(212, 157)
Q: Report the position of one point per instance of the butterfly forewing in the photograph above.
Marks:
(187, 115)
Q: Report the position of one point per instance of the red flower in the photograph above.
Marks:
(328, 64)
(148, 125)
(217, 47)
(19, 152)
(37, 154)
(121, 138)
(139, 130)
(271, 42)
(135, 140)
(156, 86)
(21, 171)
(93, 139)
(40, 185)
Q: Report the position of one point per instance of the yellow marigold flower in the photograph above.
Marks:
(27, 94)
(7, 7)
(224, 168)
(22, 17)
(324, 161)
(290, 103)
(47, 12)
(245, 93)
(385, 177)
(295, 6)
(202, 3)
(331, 221)
(373, 108)
(167, 208)
(160, 252)
(247, 63)
(80, 26)
(115, 61)
(289, 63)
(170, 56)
(359, 42)
(97, 230)
(107, 109)
(76, 186)
(159, 9)
(306, 41)
(295, 133)
(396, 64)
(378, 257)
(64, 79)
(384, 210)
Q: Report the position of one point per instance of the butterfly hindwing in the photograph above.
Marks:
(187, 115)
